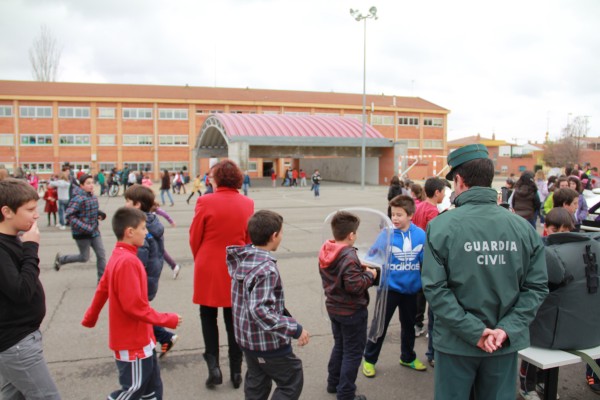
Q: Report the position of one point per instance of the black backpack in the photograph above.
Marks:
(569, 318)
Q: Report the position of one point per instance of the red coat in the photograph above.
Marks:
(220, 220)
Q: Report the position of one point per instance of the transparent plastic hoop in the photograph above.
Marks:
(373, 244)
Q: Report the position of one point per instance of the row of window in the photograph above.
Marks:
(84, 140)
(103, 112)
(48, 167)
(182, 114)
(427, 144)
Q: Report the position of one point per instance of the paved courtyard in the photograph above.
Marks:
(82, 364)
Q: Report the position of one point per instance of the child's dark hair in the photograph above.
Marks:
(14, 193)
(126, 217)
(143, 195)
(405, 202)
(262, 225)
(564, 196)
(417, 191)
(432, 185)
(344, 223)
(559, 217)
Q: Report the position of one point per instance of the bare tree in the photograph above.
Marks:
(567, 149)
(45, 56)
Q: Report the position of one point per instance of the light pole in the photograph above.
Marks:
(357, 15)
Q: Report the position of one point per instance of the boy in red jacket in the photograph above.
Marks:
(130, 317)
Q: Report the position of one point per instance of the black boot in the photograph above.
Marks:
(214, 372)
(235, 368)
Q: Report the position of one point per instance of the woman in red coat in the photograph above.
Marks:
(220, 220)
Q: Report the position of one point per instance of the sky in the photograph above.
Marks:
(513, 68)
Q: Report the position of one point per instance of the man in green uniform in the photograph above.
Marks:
(484, 276)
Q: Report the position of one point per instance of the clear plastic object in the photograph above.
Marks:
(373, 244)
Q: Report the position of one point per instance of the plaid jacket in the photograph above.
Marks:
(82, 214)
(257, 298)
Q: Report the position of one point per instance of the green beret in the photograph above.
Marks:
(464, 154)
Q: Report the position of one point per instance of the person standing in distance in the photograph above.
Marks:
(484, 276)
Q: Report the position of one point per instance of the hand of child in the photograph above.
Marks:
(304, 338)
(373, 271)
(32, 235)
(173, 225)
(179, 320)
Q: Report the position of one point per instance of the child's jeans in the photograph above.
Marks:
(350, 337)
(139, 379)
(24, 373)
(286, 371)
(407, 306)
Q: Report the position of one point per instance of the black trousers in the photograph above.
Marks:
(210, 331)
(286, 371)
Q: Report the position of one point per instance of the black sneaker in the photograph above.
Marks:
(166, 347)
(331, 389)
(593, 384)
(360, 397)
(57, 262)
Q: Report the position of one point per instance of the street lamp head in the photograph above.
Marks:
(373, 11)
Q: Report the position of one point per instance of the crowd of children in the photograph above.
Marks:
(263, 326)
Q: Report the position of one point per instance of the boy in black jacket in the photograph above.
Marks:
(22, 299)
(345, 282)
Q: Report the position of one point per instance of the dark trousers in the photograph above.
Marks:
(350, 337)
(210, 331)
(421, 307)
(430, 351)
(286, 371)
(478, 378)
(407, 306)
(162, 335)
(139, 379)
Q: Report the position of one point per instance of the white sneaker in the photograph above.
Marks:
(62, 227)
(176, 271)
(533, 395)
(419, 330)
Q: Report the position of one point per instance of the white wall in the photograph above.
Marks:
(342, 169)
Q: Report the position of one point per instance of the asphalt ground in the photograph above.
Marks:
(83, 366)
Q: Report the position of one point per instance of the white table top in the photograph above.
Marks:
(547, 358)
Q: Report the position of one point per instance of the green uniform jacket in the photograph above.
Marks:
(484, 267)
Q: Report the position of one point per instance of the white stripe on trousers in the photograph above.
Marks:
(136, 380)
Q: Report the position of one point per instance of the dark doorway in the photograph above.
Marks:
(267, 167)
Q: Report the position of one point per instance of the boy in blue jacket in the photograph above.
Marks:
(404, 282)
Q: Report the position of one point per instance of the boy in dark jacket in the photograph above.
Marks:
(263, 327)
(345, 282)
(152, 253)
(83, 216)
(23, 370)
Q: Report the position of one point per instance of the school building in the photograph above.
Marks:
(155, 128)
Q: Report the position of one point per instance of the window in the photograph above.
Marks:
(137, 140)
(173, 140)
(137, 113)
(35, 112)
(38, 168)
(173, 166)
(382, 120)
(433, 144)
(7, 139)
(139, 165)
(107, 166)
(435, 122)
(74, 140)
(408, 121)
(297, 113)
(328, 114)
(81, 166)
(106, 113)
(354, 116)
(413, 143)
(270, 112)
(6, 111)
(173, 113)
(235, 112)
(252, 166)
(73, 112)
(106, 140)
(36, 140)
(216, 111)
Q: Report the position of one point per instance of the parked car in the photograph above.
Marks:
(592, 222)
